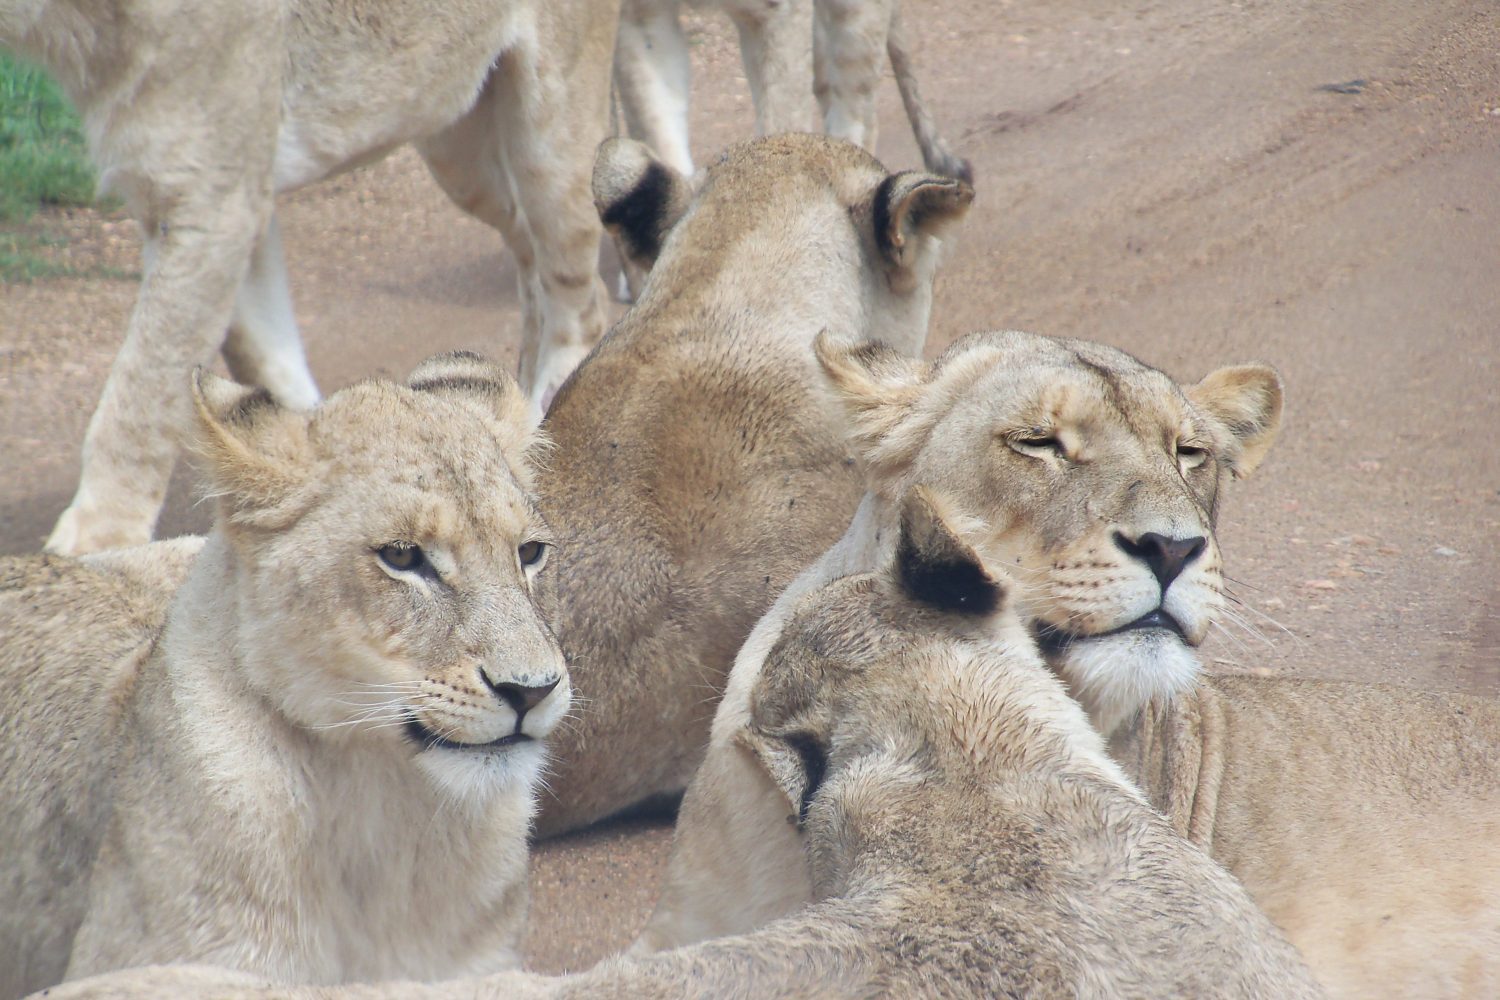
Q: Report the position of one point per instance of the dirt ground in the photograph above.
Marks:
(1199, 182)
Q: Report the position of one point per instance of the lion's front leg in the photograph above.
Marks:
(195, 256)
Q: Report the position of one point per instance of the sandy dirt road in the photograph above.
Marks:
(1199, 182)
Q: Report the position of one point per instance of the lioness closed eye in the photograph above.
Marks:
(322, 766)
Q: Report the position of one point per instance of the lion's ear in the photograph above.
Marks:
(878, 386)
(639, 198)
(1247, 401)
(254, 450)
(795, 761)
(937, 568)
(911, 209)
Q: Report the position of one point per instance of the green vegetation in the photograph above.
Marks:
(43, 157)
(43, 161)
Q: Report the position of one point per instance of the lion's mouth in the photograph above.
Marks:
(428, 740)
(1053, 639)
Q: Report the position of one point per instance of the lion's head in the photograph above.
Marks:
(886, 685)
(384, 552)
(1091, 479)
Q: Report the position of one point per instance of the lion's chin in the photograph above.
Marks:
(1114, 675)
(474, 777)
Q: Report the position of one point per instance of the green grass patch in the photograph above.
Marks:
(44, 159)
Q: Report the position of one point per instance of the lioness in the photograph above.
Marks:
(1095, 481)
(964, 828)
(700, 460)
(198, 115)
(322, 766)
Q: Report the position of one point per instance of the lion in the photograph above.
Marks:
(699, 460)
(963, 826)
(1093, 481)
(1364, 819)
(197, 119)
(1069, 457)
(322, 765)
(832, 47)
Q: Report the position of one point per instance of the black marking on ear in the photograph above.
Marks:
(637, 217)
(881, 216)
(814, 758)
(947, 579)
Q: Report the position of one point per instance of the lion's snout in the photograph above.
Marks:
(521, 698)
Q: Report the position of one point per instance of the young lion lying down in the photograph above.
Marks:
(322, 766)
(963, 826)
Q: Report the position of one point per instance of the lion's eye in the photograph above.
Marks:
(1191, 456)
(531, 553)
(1036, 444)
(402, 558)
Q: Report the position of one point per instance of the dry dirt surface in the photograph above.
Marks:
(1198, 182)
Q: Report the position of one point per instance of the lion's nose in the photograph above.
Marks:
(520, 697)
(1166, 556)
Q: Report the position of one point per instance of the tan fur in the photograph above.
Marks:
(965, 829)
(243, 785)
(1049, 518)
(699, 462)
(836, 48)
(197, 118)
(1304, 790)
(1364, 819)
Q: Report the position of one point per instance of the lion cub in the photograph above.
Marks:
(322, 766)
(965, 830)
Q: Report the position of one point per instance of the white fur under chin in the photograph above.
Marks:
(474, 777)
(1114, 676)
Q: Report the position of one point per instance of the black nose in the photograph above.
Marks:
(520, 697)
(1166, 556)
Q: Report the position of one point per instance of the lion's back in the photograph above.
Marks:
(73, 637)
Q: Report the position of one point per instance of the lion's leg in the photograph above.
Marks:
(468, 162)
(553, 104)
(190, 149)
(652, 76)
(263, 347)
(849, 53)
(532, 133)
(776, 46)
(191, 272)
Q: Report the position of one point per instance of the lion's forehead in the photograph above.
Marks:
(1134, 401)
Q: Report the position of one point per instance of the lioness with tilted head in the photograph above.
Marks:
(963, 827)
(1095, 481)
(322, 766)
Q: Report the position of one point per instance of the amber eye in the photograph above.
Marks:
(531, 553)
(402, 558)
